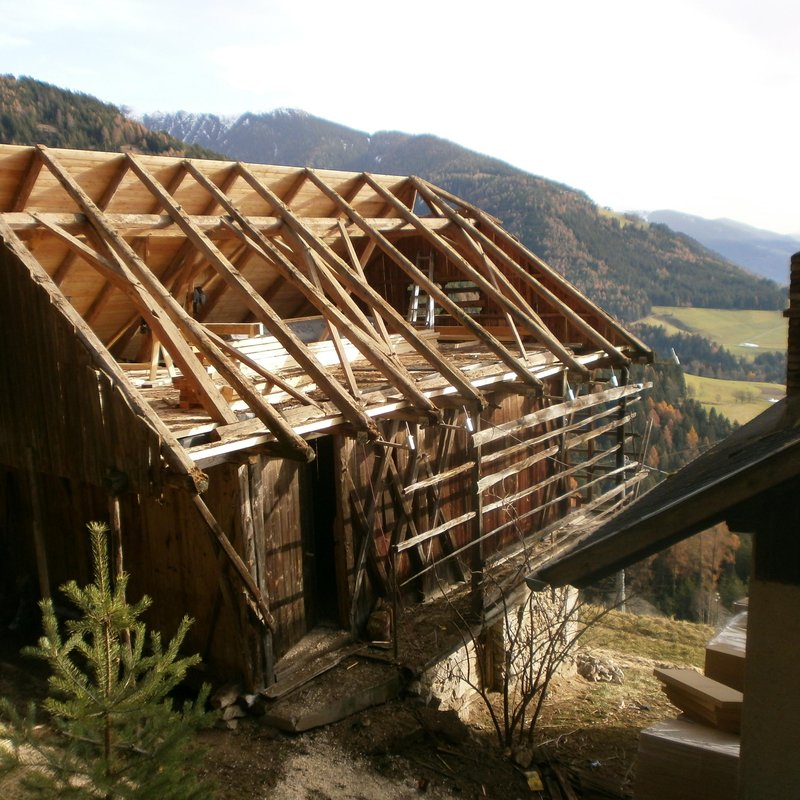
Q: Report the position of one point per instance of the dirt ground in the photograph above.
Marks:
(402, 749)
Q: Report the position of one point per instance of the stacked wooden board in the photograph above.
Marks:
(725, 654)
(681, 760)
(695, 757)
(702, 698)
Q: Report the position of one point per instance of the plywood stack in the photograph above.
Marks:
(681, 760)
(696, 756)
(725, 653)
(703, 699)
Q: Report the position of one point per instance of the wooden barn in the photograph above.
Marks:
(291, 392)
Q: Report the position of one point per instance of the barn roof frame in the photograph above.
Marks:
(122, 241)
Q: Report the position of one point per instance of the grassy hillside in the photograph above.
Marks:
(736, 330)
(739, 401)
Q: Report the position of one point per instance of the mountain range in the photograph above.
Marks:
(764, 253)
(623, 262)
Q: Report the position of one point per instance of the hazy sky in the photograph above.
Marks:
(693, 106)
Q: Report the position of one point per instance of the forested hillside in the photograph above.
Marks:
(32, 112)
(764, 253)
(623, 263)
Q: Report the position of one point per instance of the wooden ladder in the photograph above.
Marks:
(425, 311)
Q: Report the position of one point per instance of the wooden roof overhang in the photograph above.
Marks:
(716, 486)
(158, 259)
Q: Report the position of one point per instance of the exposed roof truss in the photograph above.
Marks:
(163, 258)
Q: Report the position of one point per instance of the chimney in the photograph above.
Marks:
(793, 314)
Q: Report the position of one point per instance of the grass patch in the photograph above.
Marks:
(739, 401)
(657, 638)
(736, 330)
(594, 727)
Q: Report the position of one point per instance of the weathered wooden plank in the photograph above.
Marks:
(440, 477)
(556, 411)
(496, 477)
(413, 541)
(526, 444)
(504, 502)
(240, 568)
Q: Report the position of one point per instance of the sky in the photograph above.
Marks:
(687, 105)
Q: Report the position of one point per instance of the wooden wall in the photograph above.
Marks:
(56, 403)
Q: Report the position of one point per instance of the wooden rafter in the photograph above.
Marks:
(327, 284)
(359, 268)
(263, 311)
(26, 187)
(428, 190)
(372, 349)
(417, 276)
(338, 344)
(515, 306)
(354, 283)
(476, 237)
(116, 270)
(261, 370)
(66, 265)
(177, 324)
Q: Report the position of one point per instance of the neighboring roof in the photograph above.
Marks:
(755, 458)
(121, 242)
